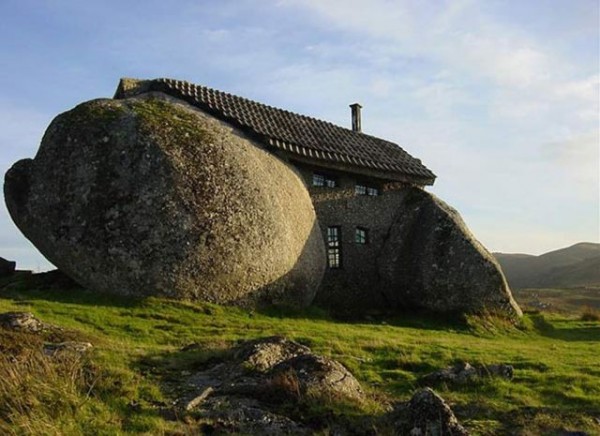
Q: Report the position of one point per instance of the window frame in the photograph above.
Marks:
(361, 235)
(360, 189)
(326, 180)
(366, 189)
(334, 247)
(372, 191)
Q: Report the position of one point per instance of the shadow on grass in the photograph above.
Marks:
(407, 318)
(584, 334)
(55, 286)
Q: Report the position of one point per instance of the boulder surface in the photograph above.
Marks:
(257, 384)
(431, 260)
(149, 196)
(430, 415)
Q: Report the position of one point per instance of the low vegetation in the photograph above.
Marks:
(130, 380)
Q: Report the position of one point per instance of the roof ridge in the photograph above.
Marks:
(280, 109)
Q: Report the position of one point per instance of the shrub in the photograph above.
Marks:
(590, 314)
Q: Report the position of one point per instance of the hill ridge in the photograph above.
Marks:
(572, 266)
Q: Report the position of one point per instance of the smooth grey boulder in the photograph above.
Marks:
(150, 196)
(431, 260)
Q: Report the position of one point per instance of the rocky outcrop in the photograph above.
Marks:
(314, 376)
(25, 332)
(21, 321)
(265, 353)
(431, 260)
(245, 416)
(67, 347)
(462, 373)
(149, 196)
(276, 367)
(427, 414)
(245, 392)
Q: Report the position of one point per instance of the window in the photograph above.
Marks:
(334, 247)
(361, 236)
(361, 189)
(323, 180)
(372, 191)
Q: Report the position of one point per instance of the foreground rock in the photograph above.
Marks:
(427, 414)
(21, 321)
(238, 415)
(67, 347)
(266, 367)
(151, 197)
(26, 332)
(431, 260)
(464, 372)
(243, 393)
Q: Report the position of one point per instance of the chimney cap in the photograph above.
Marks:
(356, 105)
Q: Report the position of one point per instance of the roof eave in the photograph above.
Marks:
(395, 176)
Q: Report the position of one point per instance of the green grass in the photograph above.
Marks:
(137, 360)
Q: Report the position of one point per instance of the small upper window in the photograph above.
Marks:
(361, 189)
(361, 236)
(318, 180)
(323, 180)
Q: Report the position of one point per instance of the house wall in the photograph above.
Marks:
(355, 286)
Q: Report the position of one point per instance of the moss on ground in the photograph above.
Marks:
(138, 358)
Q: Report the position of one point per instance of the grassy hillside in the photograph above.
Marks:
(563, 301)
(128, 383)
(578, 265)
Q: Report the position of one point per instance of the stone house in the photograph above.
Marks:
(356, 181)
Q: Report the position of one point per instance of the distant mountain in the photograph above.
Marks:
(578, 265)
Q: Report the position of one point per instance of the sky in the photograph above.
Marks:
(499, 98)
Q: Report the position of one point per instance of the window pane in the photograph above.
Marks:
(318, 180)
(323, 180)
(360, 189)
(372, 191)
(334, 253)
(360, 237)
(333, 257)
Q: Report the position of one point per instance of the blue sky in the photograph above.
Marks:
(499, 98)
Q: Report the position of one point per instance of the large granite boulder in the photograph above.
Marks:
(149, 196)
(431, 260)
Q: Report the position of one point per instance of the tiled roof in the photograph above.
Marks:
(309, 138)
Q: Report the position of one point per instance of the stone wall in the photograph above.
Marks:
(355, 286)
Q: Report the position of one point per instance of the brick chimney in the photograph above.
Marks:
(355, 107)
